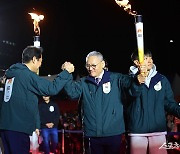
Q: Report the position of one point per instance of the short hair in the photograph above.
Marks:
(134, 55)
(95, 53)
(31, 51)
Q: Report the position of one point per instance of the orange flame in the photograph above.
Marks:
(36, 21)
(139, 28)
(127, 7)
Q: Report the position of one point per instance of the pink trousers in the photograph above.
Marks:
(147, 144)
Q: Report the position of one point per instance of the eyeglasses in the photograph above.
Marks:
(93, 66)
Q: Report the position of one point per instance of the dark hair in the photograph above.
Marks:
(134, 55)
(31, 51)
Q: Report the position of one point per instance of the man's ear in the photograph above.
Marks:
(103, 64)
(34, 59)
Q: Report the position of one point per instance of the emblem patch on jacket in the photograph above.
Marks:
(8, 89)
(51, 108)
(106, 87)
(158, 86)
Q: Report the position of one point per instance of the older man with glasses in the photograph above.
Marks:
(101, 103)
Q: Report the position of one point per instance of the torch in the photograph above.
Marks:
(138, 25)
(36, 19)
(139, 36)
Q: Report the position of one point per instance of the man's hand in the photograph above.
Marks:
(50, 125)
(37, 132)
(68, 66)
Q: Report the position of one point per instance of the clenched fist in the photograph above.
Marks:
(68, 66)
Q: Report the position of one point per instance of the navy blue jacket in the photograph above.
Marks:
(102, 107)
(147, 108)
(49, 113)
(20, 113)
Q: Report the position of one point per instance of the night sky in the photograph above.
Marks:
(73, 28)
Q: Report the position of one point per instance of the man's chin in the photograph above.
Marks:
(92, 75)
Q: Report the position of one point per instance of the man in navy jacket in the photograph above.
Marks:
(19, 109)
(102, 105)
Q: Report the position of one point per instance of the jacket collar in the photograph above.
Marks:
(105, 78)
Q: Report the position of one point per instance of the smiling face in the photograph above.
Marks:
(94, 66)
(148, 60)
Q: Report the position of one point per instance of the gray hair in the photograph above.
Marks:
(95, 53)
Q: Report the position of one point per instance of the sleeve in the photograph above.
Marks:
(125, 80)
(171, 106)
(132, 86)
(42, 86)
(74, 88)
(135, 90)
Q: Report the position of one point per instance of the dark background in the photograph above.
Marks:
(73, 28)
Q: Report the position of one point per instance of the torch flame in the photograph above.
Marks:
(36, 21)
(139, 27)
(127, 7)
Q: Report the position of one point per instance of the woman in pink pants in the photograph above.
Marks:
(147, 104)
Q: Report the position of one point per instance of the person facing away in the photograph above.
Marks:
(49, 118)
(149, 101)
(19, 108)
(102, 105)
(34, 138)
